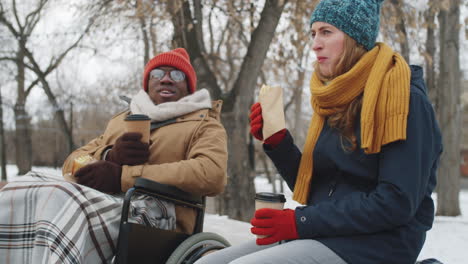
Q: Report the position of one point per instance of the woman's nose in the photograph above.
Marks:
(316, 44)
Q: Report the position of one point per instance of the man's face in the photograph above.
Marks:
(163, 88)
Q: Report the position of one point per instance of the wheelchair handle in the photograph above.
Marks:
(169, 191)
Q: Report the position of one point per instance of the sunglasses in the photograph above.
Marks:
(175, 75)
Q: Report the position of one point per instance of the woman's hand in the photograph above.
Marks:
(276, 225)
(256, 127)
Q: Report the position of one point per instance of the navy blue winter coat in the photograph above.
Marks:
(370, 208)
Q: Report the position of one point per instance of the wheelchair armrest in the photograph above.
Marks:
(169, 191)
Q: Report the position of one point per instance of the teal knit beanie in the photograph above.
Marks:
(358, 18)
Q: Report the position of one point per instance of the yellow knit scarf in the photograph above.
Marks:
(384, 77)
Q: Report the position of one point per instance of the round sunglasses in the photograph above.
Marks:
(175, 75)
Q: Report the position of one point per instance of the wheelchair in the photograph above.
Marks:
(144, 244)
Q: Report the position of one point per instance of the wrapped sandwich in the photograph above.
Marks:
(271, 100)
(78, 163)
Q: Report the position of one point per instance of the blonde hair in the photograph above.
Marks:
(344, 121)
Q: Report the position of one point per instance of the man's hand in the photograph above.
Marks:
(102, 175)
(276, 225)
(256, 127)
(129, 150)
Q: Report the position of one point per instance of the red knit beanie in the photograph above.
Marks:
(177, 58)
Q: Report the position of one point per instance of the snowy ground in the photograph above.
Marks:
(447, 241)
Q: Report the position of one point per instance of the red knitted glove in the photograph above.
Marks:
(277, 225)
(256, 121)
(256, 126)
(129, 150)
(101, 175)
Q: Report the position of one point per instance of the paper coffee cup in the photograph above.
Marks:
(139, 123)
(269, 200)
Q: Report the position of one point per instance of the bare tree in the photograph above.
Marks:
(430, 52)
(236, 202)
(22, 119)
(397, 18)
(21, 26)
(144, 17)
(401, 28)
(449, 109)
(3, 177)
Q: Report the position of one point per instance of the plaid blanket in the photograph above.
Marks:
(45, 219)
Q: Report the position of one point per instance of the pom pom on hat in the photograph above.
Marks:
(177, 58)
(359, 19)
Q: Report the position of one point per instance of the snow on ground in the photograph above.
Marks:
(446, 241)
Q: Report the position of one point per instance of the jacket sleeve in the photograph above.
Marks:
(404, 171)
(286, 157)
(203, 172)
(97, 146)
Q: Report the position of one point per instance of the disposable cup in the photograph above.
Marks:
(269, 200)
(139, 123)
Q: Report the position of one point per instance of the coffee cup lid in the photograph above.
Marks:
(270, 197)
(137, 117)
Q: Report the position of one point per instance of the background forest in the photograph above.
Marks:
(65, 63)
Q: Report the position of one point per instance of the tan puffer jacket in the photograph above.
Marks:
(189, 152)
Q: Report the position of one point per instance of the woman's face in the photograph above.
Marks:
(328, 45)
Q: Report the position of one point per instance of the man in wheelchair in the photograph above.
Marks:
(187, 146)
(78, 220)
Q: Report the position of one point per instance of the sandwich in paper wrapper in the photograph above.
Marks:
(78, 163)
(271, 100)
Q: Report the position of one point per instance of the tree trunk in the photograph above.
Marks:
(145, 33)
(70, 125)
(401, 29)
(4, 176)
(146, 41)
(298, 123)
(21, 32)
(237, 200)
(449, 111)
(59, 113)
(241, 178)
(185, 36)
(431, 77)
(22, 120)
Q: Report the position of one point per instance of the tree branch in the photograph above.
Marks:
(7, 59)
(28, 90)
(198, 24)
(10, 26)
(256, 52)
(33, 18)
(15, 13)
(187, 36)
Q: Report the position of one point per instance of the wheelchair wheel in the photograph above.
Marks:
(195, 246)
